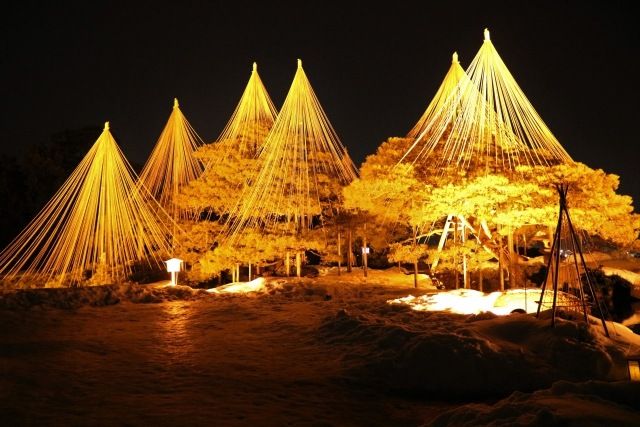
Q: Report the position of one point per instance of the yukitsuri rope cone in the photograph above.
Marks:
(303, 166)
(172, 163)
(487, 124)
(99, 223)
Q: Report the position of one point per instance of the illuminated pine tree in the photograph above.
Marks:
(230, 162)
(443, 96)
(98, 224)
(172, 163)
(303, 166)
(487, 126)
(232, 159)
(251, 121)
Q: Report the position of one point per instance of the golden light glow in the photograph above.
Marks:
(468, 301)
(98, 224)
(255, 285)
(172, 163)
(486, 123)
(301, 163)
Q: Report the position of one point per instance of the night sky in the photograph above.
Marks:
(374, 69)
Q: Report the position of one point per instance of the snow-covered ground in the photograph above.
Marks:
(323, 351)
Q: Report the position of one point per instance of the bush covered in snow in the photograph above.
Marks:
(71, 298)
(444, 354)
(591, 403)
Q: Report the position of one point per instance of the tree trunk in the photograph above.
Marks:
(287, 264)
(339, 253)
(456, 279)
(480, 278)
(512, 259)
(249, 272)
(365, 255)
(465, 267)
(415, 264)
(350, 251)
(298, 264)
(501, 264)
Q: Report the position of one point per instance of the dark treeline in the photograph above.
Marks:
(28, 182)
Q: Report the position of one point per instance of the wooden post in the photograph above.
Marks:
(339, 253)
(287, 263)
(298, 264)
(350, 251)
(365, 255)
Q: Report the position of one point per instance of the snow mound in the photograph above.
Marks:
(469, 301)
(293, 289)
(256, 285)
(591, 403)
(96, 296)
(438, 353)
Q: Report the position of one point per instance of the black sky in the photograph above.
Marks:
(374, 68)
